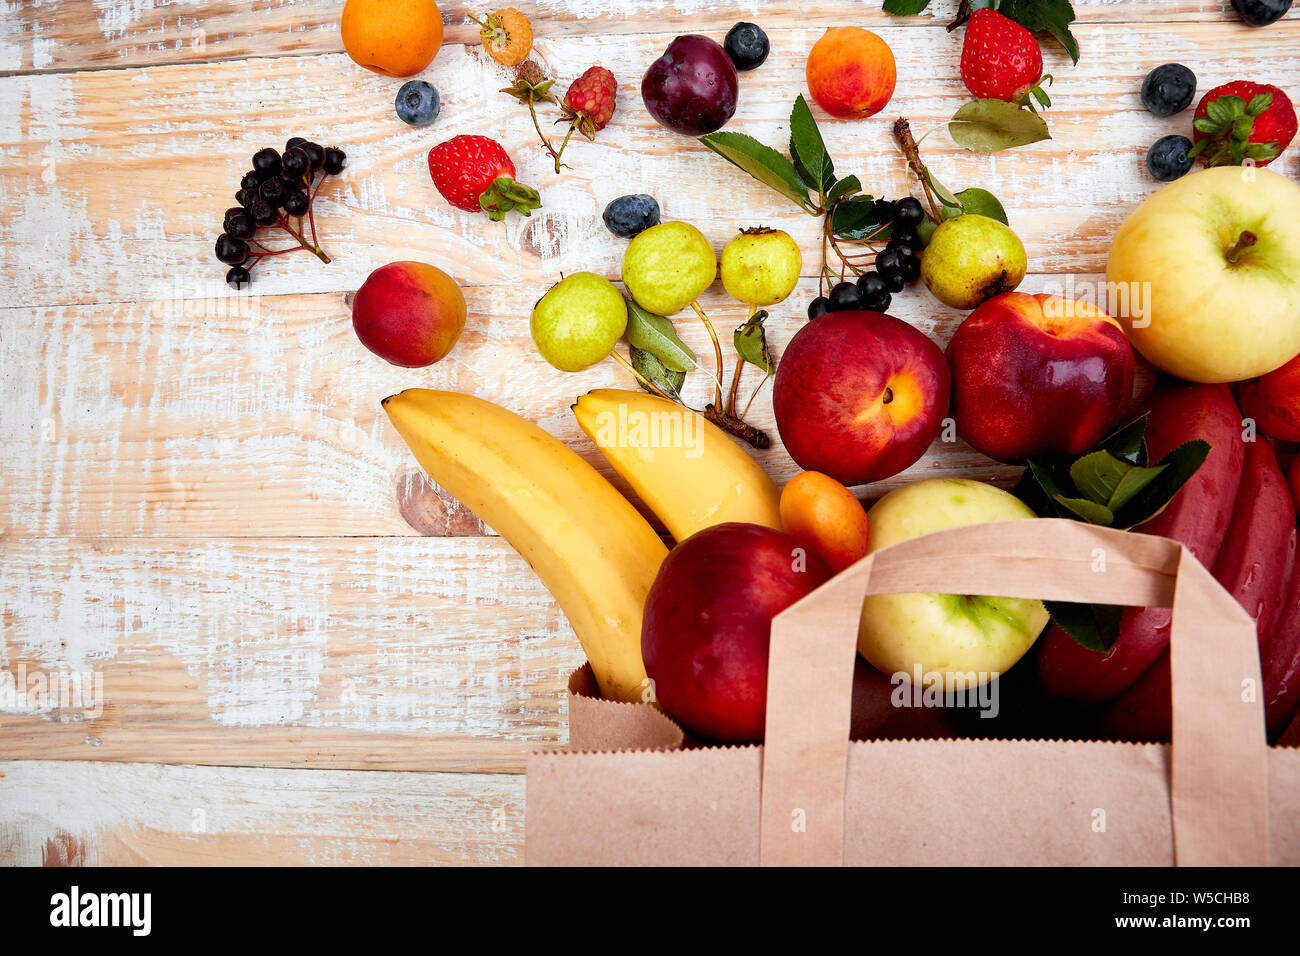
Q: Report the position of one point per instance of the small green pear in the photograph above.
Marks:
(760, 266)
(970, 259)
(666, 267)
(578, 322)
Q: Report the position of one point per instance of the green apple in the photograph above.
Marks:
(945, 634)
(578, 322)
(666, 267)
(1205, 274)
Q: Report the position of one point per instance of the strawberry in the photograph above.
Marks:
(507, 35)
(1000, 59)
(474, 172)
(1241, 121)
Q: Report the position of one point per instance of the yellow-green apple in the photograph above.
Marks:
(948, 634)
(1037, 375)
(859, 396)
(708, 624)
(1206, 272)
(1274, 401)
(409, 313)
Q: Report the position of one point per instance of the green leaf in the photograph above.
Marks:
(1206, 125)
(762, 162)
(1126, 443)
(808, 150)
(1178, 466)
(987, 126)
(751, 343)
(905, 8)
(1134, 480)
(1039, 489)
(667, 381)
(856, 218)
(943, 192)
(1050, 16)
(1225, 109)
(1259, 103)
(1261, 151)
(1097, 474)
(655, 334)
(981, 202)
(847, 186)
(1095, 626)
(1088, 510)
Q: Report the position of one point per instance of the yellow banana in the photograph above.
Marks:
(687, 470)
(590, 547)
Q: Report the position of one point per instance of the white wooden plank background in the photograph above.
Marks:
(199, 498)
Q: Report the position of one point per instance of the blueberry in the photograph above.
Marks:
(747, 45)
(627, 216)
(417, 103)
(1168, 89)
(908, 212)
(845, 297)
(1167, 158)
(1260, 13)
(818, 307)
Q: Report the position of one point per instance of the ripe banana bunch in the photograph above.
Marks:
(687, 470)
(590, 547)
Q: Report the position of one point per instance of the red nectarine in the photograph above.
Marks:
(409, 313)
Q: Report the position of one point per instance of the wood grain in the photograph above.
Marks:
(260, 416)
(109, 34)
(377, 653)
(115, 181)
(96, 814)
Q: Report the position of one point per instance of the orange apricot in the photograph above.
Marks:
(824, 517)
(851, 72)
(392, 37)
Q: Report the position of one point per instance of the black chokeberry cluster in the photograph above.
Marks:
(280, 187)
(897, 265)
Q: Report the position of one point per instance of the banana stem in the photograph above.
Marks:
(717, 351)
(639, 377)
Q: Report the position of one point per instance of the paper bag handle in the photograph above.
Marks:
(1219, 768)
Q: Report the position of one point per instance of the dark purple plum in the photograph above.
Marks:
(692, 88)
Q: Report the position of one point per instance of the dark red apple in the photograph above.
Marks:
(1038, 375)
(691, 89)
(708, 623)
(859, 396)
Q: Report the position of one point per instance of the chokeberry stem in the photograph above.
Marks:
(315, 250)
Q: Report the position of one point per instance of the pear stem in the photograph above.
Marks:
(717, 351)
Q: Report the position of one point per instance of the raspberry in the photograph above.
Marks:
(590, 100)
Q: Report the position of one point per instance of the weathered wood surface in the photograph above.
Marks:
(96, 814)
(108, 34)
(200, 499)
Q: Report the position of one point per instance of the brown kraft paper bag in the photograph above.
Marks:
(627, 793)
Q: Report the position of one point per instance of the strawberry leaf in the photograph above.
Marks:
(1259, 103)
(1048, 16)
(987, 126)
(763, 163)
